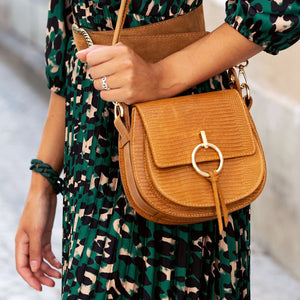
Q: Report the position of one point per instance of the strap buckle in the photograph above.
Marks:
(118, 110)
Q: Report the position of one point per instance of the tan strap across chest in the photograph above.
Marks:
(152, 42)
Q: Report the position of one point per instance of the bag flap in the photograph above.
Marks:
(173, 127)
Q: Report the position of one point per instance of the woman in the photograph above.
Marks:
(109, 251)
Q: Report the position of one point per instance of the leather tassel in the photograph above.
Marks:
(221, 208)
(224, 207)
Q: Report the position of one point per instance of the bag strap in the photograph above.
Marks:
(120, 108)
(120, 21)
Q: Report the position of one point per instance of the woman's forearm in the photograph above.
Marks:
(51, 150)
(213, 54)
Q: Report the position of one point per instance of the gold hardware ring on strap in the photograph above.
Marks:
(205, 144)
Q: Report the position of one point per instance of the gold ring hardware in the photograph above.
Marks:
(242, 72)
(232, 79)
(118, 110)
(205, 144)
(246, 63)
(83, 32)
(244, 86)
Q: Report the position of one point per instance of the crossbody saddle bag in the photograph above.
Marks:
(184, 159)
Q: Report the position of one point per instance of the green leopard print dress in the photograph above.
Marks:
(109, 251)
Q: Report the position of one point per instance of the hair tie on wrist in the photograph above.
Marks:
(51, 175)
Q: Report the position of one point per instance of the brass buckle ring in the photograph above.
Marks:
(118, 110)
(206, 145)
(247, 89)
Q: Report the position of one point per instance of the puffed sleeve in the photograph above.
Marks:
(272, 24)
(58, 34)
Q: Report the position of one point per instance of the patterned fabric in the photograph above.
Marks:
(275, 25)
(109, 251)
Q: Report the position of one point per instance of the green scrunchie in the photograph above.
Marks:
(52, 176)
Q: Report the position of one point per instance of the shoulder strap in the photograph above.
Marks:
(119, 109)
(121, 19)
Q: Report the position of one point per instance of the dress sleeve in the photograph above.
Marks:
(58, 34)
(272, 24)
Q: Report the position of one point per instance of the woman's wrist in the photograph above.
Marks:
(168, 83)
(52, 176)
(211, 55)
(40, 184)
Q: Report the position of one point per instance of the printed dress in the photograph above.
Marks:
(109, 251)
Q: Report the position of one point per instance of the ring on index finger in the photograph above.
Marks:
(104, 84)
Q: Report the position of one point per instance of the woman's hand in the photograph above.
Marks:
(130, 79)
(34, 257)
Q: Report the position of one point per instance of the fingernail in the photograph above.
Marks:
(57, 261)
(81, 51)
(34, 265)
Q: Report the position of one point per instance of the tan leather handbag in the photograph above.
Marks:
(189, 159)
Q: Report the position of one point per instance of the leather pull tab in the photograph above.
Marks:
(221, 208)
(123, 131)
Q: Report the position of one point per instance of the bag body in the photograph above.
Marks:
(155, 153)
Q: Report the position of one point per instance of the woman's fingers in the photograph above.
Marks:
(105, 69)
(50, 257)
(44, 280)
(120, 95)
(31, 279)
(22, 261)
(108, 61)
(38, 278)
(125, 78)
(35, 250)
(44, 274)
(127, 86)
(119, 87)
(111, 67)
(112, 82)
(100, 54)
(96, 54)
(46, 269)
